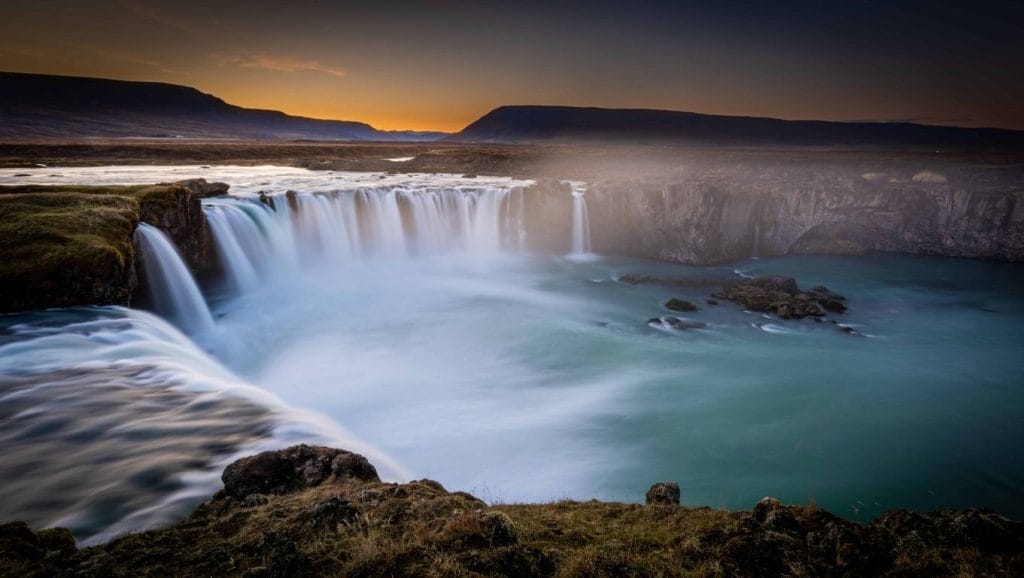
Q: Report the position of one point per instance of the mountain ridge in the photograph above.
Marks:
(570, 124)
(39, 105)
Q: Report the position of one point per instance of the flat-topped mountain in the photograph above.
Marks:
(38, 105)
(569, 124)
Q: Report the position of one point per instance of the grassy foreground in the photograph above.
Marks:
(309, 511)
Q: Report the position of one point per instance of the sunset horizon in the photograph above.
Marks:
(862, 61)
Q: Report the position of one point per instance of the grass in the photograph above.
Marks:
(70, 245)
(369, 529)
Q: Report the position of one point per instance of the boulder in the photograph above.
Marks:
(663, 494)
(765, 506)
(781, 296)
(680, 305)
(292, 469)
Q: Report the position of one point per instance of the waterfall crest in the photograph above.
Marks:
(173, 290)
(292, 230)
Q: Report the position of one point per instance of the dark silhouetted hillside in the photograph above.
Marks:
(573, 125)
(35, 105)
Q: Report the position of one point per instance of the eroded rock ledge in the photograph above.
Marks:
(62, 246)
(314, 511)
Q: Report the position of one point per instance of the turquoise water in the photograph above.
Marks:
(537, 378)
(523, 378)
(439, 349)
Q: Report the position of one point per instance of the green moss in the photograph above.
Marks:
(63, 246)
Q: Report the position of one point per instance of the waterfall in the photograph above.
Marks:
(255, 239)
(580, 224)
(231, 227)
(173, 290)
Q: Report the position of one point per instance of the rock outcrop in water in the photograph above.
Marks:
(782, 297)
(330, 525)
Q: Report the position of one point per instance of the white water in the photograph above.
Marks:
(232, 229)
(98, 385)
(304, 231)
(530, 377)
(580, 224)
(173, 290)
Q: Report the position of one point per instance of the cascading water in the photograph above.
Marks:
(173, 290)
(255, 238)
(514, 377)
(580, 224)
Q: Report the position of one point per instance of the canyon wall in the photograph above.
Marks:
(717, 214)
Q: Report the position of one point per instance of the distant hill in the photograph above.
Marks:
(566, 124)
(36, 105)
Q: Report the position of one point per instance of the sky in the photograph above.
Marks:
(440, 64)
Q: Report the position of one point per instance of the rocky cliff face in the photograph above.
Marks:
(62, 246)
(723, 214)
(179, 213)
(547, 214)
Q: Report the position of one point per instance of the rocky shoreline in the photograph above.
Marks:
(315, 511)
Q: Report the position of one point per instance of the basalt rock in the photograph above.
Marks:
(781, 296)
(683, 305)
(547, 208)
(294, 469)
(741, 206)
(178, 211)
(663, 494)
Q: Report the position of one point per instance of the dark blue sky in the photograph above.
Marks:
(439, 64)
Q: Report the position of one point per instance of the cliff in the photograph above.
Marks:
(62, 246)
(313, 511)
(719, 212)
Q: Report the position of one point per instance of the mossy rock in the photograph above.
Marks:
(63, 246)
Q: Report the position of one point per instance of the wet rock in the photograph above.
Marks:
(711, 301)
(781, 296)
(178, 211)
(680, 305)
(682, 282)
(267, 200)
(663, 494)
(293, 469)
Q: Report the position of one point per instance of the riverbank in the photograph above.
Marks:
(313, 511)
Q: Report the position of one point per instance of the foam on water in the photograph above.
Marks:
(398, 306)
